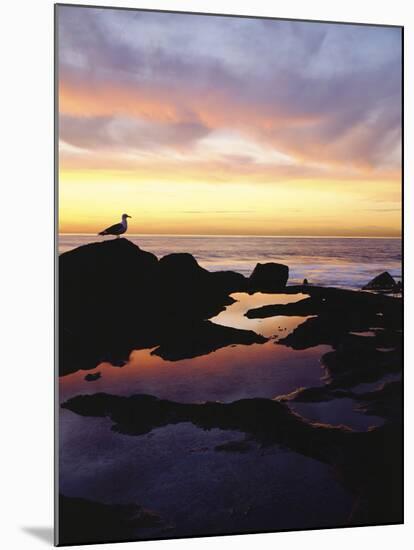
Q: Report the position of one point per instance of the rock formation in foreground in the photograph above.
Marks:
(115, 297)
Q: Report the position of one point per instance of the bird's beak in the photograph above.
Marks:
(129, 216)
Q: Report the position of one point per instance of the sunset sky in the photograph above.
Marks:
(215, 125)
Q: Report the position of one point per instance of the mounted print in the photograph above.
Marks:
(229, 275)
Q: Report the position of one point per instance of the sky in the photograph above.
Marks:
(199, 124)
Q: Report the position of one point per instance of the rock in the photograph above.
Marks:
(92, 376)
(334, 313)
(115, 297)
(398, 288)
(183, 270)
(83, 521)
(229, 281)
(203, 338)
(101, 282)
(270, 277)
(384, 281)
(264, 420)
(351, 365)
(181, 266)
(315, 394)
(307, 306)
(189, 292)
(385, 401)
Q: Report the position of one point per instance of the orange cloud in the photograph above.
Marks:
(294, 135)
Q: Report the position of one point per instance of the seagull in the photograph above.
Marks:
(117, 229)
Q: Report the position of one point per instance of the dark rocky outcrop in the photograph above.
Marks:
(115, 297)
(305, 307)
(104, 288)
(83, 521)
(350, 365)
(331, 301)
(264, 419)
(270, 277)
(229, 281)
(363, 328)
(385, 401)
(203, 338)
(383, 282)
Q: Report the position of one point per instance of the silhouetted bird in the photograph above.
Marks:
(118, 228)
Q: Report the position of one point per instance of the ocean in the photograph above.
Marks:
(340, 262)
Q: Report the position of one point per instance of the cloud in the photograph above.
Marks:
(327, 96)
(126, 134)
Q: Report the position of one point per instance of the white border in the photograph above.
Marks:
(26, 130)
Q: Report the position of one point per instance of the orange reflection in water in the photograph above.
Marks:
(233, 315)
(234, 372)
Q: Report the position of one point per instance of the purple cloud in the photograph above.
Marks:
(316, 91)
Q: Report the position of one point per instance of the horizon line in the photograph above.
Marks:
(243, 236)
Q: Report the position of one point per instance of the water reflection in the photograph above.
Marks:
(337, 411)
(235, 372)
(233, 315)
(176, 470)
(228, 374)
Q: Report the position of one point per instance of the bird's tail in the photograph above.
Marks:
(102, 233)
